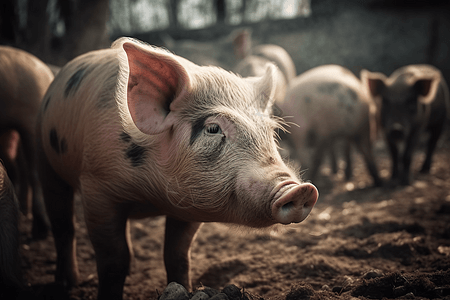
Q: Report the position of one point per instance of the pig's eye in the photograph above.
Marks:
(213, 129)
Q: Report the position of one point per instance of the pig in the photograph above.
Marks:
(244, 50)
(253, 61)
(141, 132)
(413, 100)
(253, 66)
(11, 280)
(329, 104)
(24, 79)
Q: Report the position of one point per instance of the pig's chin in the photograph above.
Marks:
(292, 201)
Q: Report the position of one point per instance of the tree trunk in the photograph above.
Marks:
(86, 27)
(221, 11)
(9, 22)
(173, 14)
(37, 33)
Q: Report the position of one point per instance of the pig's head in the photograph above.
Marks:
(402, 99)
(212, 139)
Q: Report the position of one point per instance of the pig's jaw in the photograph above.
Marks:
(292, 202)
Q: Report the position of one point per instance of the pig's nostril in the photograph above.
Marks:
(288, 206)
(294, 202)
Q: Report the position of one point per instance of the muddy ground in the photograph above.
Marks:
(359, 241)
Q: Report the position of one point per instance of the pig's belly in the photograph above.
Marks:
(144, 210)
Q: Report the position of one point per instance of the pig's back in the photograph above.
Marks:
(23, 81)
(328, 98)
(79, 114)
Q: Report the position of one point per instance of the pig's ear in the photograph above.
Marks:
(242, 43)
(375, 82)
(427, 89)
(157, 83)
(266, 87)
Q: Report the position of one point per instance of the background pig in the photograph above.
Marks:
(141, 132)
(24, 80)
(256, 66)
(413, 99)
(253, 62)
(11, 281)
(250, 55)
(328, 103)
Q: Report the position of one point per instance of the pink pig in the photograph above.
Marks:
(140, 132)
(24, 79)
(329, 103)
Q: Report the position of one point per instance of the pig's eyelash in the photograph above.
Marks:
(213, 128)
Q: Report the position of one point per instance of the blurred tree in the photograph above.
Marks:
(9, 22)
(26, 25)
(221, 11)
(243, 9)
(173, 13)
(85, 23)
(37, 32)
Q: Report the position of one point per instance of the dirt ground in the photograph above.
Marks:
(359, 242)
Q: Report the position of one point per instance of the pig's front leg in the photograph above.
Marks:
(108, 227)
(411, 142)
(435, 132)
(348, 159)
(393, 149)
(365, 146)
(178, 238)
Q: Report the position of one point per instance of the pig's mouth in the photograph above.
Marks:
(282, 188)
(293, 201)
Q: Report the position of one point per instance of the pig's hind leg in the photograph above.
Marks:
(58, 197)
(364, 145)
(28, 168)
(435, 133)
(178, 238)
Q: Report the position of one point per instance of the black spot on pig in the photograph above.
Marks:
(352, 95)
(136, 154)
(197, 128)
(328, 88)
(125, 137)
(60, 147)
(213, 153)
(74, 82)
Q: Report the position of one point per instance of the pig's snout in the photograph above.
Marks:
(293, 201)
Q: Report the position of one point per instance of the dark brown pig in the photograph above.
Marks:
(412, 100)
(11, 281)
(140, 132)
(24, 79)
(329, 104)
